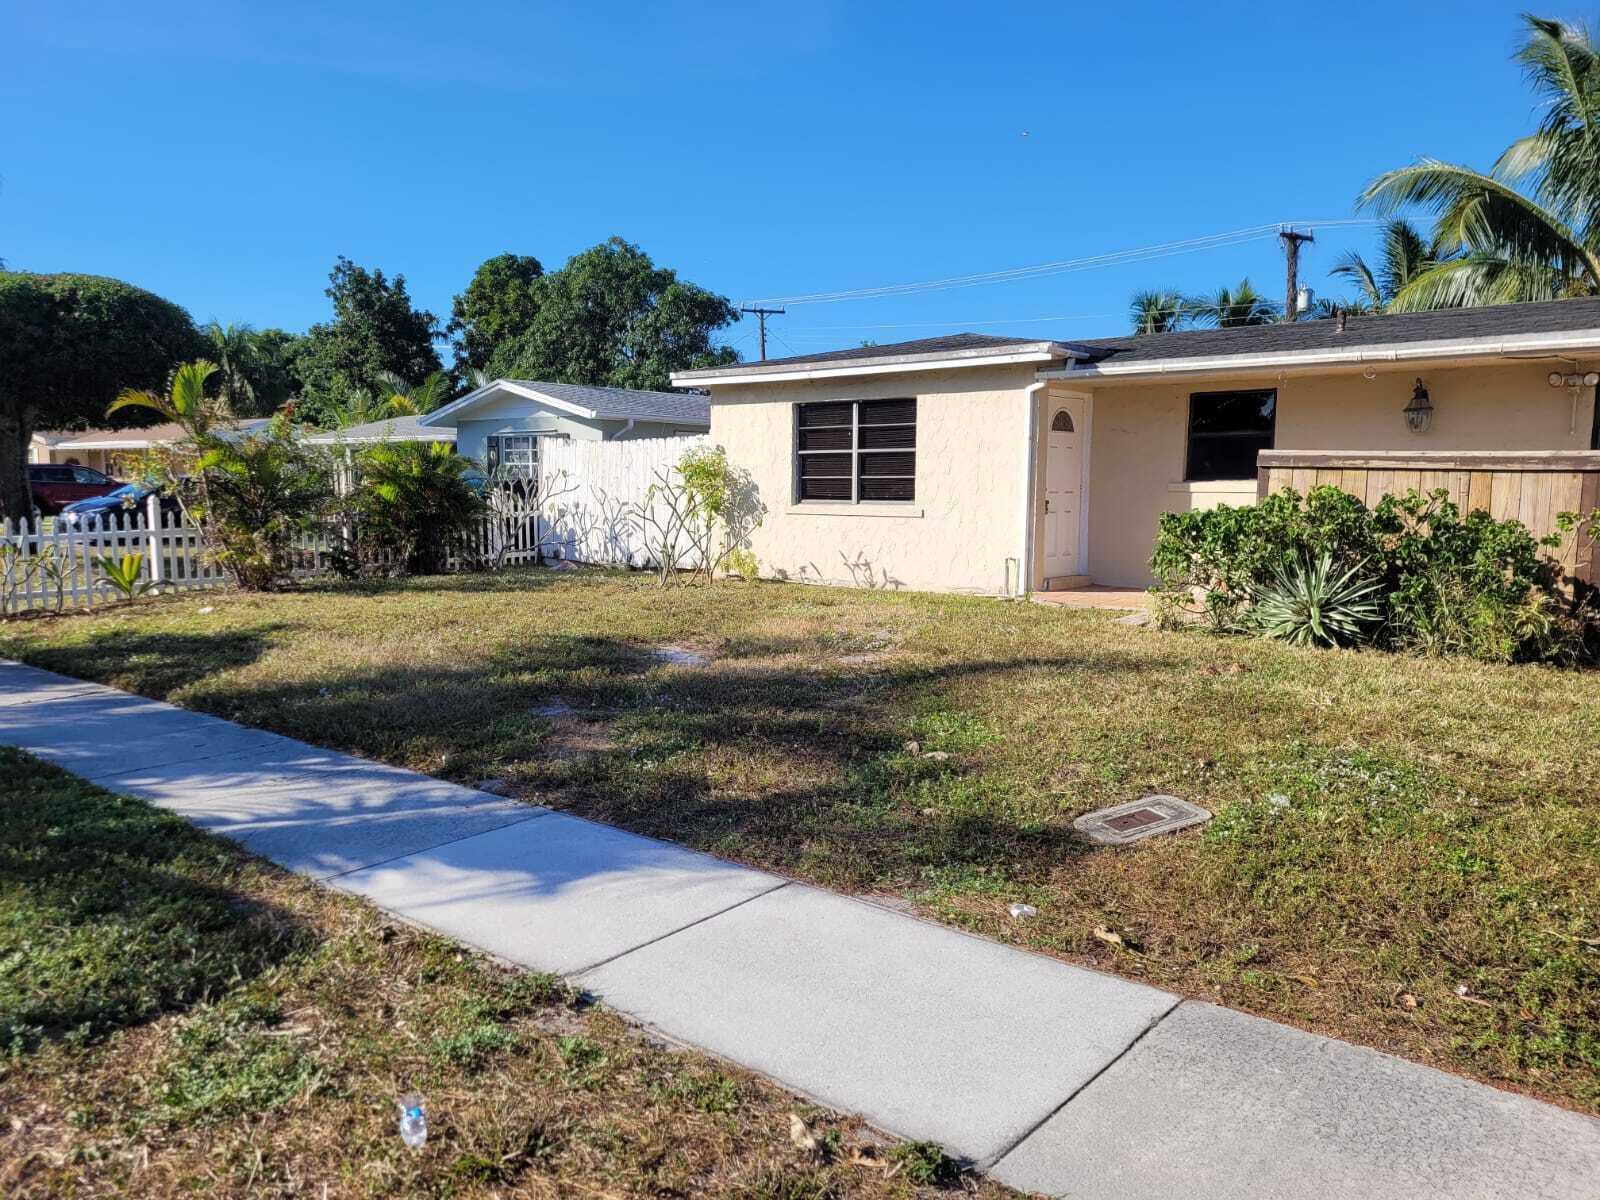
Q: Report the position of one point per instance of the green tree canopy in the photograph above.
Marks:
(68, 345)
(612, 317)
(499, 304)
(252, 367)
(374, 331)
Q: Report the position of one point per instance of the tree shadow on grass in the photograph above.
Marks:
(833, 794)
(120, 912)
(156, 664)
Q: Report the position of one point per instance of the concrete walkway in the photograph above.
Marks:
(1053, 1078)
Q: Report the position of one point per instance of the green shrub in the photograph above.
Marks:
(1443, 583)
(411, 501)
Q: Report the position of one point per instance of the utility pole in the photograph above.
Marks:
(1291, 254)
(761, 315)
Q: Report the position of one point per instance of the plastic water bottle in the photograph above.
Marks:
(413, 1121)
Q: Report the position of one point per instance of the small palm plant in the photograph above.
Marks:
(123, 574)
(1307, 604)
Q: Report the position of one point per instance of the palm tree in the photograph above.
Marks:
(1403, 256)
(185, 403)
(407, 400)
(1159, 311)
(1530, 228)
(1232, 308)
(236, 354)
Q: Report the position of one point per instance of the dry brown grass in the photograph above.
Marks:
(1441, 831)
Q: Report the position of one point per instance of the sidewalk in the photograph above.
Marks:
(1053, 1078)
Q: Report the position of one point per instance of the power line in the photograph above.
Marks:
(1039, 270)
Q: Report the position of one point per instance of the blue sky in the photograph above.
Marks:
(222, 153)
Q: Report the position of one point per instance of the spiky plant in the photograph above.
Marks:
(1307, 604)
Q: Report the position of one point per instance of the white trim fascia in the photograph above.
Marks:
(516, 389)
(883, 367)
(1355, 356)
(335, 439)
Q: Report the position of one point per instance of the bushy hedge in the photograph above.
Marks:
(1446, 583)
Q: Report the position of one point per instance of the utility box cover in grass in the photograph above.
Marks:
(1123, 824)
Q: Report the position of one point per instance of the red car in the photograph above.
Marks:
(55, 485)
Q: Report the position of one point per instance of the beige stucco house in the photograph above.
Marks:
(987, 464)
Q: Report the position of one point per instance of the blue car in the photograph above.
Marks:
(128, 499)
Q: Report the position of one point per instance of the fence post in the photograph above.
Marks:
(152, 524)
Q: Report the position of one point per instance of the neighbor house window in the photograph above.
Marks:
(855, 451)
(514, 455)
(1226, 429)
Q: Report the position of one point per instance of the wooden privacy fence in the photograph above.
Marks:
(51, 565)
(594, 491)
(1533, 487)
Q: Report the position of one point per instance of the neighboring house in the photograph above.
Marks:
(392, 429)
(107, 449)
(501, 424)
(1003, 465)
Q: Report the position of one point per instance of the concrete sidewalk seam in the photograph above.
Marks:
(989, 1164)
(595, 966)
(466, 837)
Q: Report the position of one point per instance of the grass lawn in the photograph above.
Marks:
(1406, 852)
(180, 1019)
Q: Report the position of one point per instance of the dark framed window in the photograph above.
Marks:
(1226, 430)
(856, 451)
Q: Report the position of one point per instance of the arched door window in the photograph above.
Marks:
(1062, 422)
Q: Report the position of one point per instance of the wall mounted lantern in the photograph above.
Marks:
(1419, 412)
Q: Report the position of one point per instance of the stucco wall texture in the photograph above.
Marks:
(966, 520)
(965, 532)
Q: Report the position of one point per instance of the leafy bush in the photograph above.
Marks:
(701, 512)
(1308, 605)
(252, 498)
(1441, 582)
(411, 500)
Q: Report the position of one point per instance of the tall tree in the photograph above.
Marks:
(252, 367)
(1160, 311)
(374, 330)
(1232, 307)
(499, 303)
(1529, 229)
(612, 317)
(68, 345)
(1403, 255)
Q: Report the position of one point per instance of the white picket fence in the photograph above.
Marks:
(52, 565)
(589, 512)
(593, 491)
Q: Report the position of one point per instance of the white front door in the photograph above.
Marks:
(1063, 477)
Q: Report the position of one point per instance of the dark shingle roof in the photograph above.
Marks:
(1451, 324)
(948, 344)
(1445, 325)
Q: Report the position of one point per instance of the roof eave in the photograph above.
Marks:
(1519, 345)
(942, 360)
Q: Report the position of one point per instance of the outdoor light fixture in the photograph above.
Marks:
(1419, 413)
(1574, 379)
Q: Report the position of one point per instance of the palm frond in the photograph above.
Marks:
(1479, 279)
(1353, 267)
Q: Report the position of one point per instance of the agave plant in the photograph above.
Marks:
(125, 574)
(1307, 604)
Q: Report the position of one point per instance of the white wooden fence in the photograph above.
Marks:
(589, 511)
(593, 491)
(52, 565)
